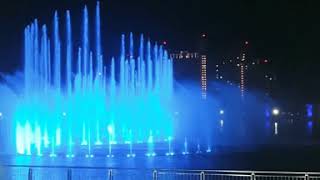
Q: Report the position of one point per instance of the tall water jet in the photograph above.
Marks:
(57, 51)
(98, 35)
(122, 64)
(130, 142)
(185, 147)
(150, 151)
(150, 81)
(170, 150)
(69, 53)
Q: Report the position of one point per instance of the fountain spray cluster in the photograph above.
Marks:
(73, 99)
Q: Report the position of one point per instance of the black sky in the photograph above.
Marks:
(284, 31)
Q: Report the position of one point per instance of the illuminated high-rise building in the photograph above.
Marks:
(204, 76)
(192, 64)
(243, 67)
(247, 72)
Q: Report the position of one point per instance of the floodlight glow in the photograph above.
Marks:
(110, 155)
(310, 124)
(185, 153)
(209, 150)
(70, 155)
(131, 155)
(309, 110)
(221, 123)
(198, 149)
(151, 154)
(110, 130)
(98, 143)
(58, 137)
(52, 155)
(275, 111)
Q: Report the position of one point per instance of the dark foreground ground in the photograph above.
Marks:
(282, 158)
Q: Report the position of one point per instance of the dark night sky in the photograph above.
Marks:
(285, 31)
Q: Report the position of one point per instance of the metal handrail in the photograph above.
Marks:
(157, 173)
(169, 170)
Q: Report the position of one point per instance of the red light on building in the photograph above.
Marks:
(246, 42)
(266, 61)
(164, 42)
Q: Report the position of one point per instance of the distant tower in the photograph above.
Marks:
(194, 62)
(203, 52)
(242, 69)
(204, 76)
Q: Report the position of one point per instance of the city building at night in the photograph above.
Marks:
(247, 72)
(193, 64)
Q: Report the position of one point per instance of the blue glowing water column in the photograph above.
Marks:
(57, 53)
(122, 65)
(57, 80)
(69, 85)
(132, 67)
(112, 86)
(98, 38)
(69, 53)
(27, 61)
(157, 68)
(185, 147)
(150, 68)
(161, 67)
(45, 55)
(84, 77)
(150, 151)
(45, 58)
(141, 65)
(36, 52)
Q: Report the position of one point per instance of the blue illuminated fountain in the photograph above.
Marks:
(74, 101)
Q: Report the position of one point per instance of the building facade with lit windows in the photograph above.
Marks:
(204, 76)
(246, 72)
(192, 65)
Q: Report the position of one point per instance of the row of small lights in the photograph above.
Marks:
(132, 155)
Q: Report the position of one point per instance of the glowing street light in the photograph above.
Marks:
(221, 111)
(275, 111)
